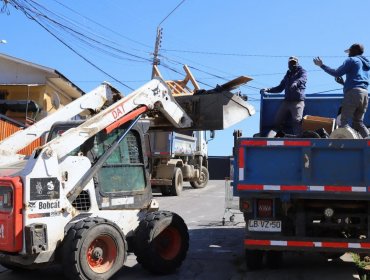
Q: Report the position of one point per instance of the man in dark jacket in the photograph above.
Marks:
(294, 84)
(355, 101)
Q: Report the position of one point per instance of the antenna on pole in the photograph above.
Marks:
(158, 40)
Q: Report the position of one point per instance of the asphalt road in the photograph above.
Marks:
(216, 250)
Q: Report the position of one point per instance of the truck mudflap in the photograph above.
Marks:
(322, 245)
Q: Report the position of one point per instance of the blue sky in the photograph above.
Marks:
(223, 39)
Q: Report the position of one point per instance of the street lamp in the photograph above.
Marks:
(3, 42)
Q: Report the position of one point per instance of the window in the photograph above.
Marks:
(124, 169)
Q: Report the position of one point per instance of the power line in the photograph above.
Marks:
(172, 12)
(105, 27)
(246, 55)
(29, 15)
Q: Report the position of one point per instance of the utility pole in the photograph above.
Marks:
(158, 40)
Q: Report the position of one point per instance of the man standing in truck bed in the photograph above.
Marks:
(294, 84)
(355, 101)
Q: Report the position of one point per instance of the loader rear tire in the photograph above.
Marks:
(177, 182)
(161, 242)
(94, 248)
(203, 179)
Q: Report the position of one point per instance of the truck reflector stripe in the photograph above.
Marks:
(253, 143)
(297, 143)
(278, 243)
(338, 189)
(250, 187)
(245, 187)
(275, 143)
(271, 188)
(241, 157)
(335, 244)
(301, 243)
(241, 174)
(293, 188)
(261, 143)
(317, 188)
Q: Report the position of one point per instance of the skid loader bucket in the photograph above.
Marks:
(215, 109)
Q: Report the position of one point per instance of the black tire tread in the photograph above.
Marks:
(72, 242)
(148, 257)
(196, 184)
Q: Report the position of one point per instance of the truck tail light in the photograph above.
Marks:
(246, 205)
(264, 208)
(11, 218)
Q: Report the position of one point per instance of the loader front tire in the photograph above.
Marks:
(161, 242)
(203, 179)
(94, 248)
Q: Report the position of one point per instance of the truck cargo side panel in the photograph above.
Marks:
(303, 165)
(270, 166)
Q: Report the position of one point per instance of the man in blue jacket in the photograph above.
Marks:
(355, 101)
(294, 84)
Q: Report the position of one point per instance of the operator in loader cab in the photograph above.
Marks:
(294, 84)
(355, 100)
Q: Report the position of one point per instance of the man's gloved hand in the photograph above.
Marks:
(294, 86)
(318, 61)
(339, 80)
(264, 90)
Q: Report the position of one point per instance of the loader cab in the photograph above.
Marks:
(121, 182)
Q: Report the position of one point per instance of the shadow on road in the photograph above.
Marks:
(217, 253)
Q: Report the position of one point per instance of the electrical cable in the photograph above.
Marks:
(65, 44)
(171, 12)
(105, 27)
(84, 36)
(246, 55)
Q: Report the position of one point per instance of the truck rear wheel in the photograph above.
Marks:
(161, 242)
(203, 179)
(274, 259)
(177, 182)
(254, 259)
(93, 248)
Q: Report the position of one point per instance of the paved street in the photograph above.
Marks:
(216, 251)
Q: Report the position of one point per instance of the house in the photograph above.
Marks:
(30, 92)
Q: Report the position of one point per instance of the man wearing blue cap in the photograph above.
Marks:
(355, 101)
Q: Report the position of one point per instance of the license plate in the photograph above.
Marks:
(261, 225)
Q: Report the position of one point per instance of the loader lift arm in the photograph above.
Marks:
(153, 95)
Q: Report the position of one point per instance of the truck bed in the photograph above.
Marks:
(169, 144)
(303, 167)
